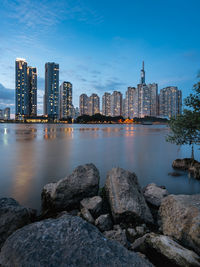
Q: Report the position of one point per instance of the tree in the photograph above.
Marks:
(185, 129)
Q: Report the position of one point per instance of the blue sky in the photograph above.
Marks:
(100, 45)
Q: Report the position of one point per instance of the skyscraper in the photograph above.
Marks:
(7, 114)
(51, 99)
(142, 74)
(21, 89)
(32, 89)
(116, 104)
(93, 104)
(170, 102)
(65, 100)
(106, 104)
(131, 103)
(83, 104)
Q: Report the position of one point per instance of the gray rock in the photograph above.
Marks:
(140, 230)
(125, 197)
(12, 217)
(67, 241)
(93, 204)
(180, 215)
(119, 236)
(195, 170)
(104, 222)
(131, 234)
(85, 214)
(154, 194)
(67, 193)
(163, 251)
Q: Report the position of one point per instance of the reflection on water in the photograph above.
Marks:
(33, 155)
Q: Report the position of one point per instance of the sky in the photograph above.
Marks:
(100, 44)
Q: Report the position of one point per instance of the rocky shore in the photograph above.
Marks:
(120, 224)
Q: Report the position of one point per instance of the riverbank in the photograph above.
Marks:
(119, 225)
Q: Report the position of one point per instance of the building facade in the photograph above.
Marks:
(83, 104)
(6, 113)
(66, 100)
(21, 89)
(51, 98)
(131, 103)
(116, 104)
(106, 104)
(170, 102)
(32, 89)
(93, 104)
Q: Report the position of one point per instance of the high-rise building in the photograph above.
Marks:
(25, 89)
(93, 104)
(170, 102)
(83, 104)
(1, 114)
(32, 89)
(106, 104)
(52, 90)
(6, 114)
(131, 103)
(147, 97)
(21, 89)
(65, 100)
(116, 104)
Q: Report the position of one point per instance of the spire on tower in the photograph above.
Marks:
(142, 74)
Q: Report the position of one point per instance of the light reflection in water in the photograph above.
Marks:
(33, 155)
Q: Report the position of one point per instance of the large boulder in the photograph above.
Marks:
(183, 164)
(125, 197)
(65, 241)
(12, 217)
(93, 204)
(67, 193)
(195, 170)
(180, 215)
(163, 251)
(154, 194)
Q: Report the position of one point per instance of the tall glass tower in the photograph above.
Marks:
(51, 100)
(21, 89)
(65, 100)
(142, 74)
(32, 88)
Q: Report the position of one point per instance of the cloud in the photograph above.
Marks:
(109, 85)
(7, 98)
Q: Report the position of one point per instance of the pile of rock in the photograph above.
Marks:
(189, 164)
(125, 226)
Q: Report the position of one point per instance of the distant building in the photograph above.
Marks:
(32, 88)
(65, 100)
(147, 103)
(83, 104)
(6, 114)
(106, 104)
(93, 104)
(131, 103)
(170, 102)
(1, 114)
(51, 100)
(21, 89)
(25, 89)
(116, 104)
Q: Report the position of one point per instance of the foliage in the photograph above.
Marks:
(186, 127)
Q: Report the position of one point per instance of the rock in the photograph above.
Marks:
(104, 222)
(87, 215)
(183, 164)
(163, 251)
(154, 194)
(93, 204)
(66, 241)
(12, 217)
(140, 230)
(180, 215)
(67, 193)
(119, 236)
(131, 234)
(195, 170)
(175, 174)
(125, 197)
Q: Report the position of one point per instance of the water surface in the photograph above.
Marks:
(32, 155)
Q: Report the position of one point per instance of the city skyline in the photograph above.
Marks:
(96, 50)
